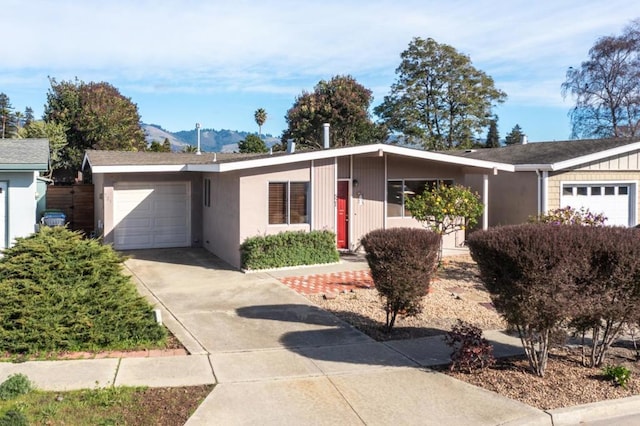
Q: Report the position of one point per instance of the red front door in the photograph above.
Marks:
(343, 214)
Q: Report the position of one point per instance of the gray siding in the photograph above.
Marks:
(324, 193)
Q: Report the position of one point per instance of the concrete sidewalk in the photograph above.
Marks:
(277, 359)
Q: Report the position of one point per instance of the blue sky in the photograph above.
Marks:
(216, 62)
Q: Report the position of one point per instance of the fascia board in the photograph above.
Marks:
(596, 156)
(139, 168)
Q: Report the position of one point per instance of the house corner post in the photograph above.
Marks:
(485, 201)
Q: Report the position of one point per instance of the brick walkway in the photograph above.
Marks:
(329, 283)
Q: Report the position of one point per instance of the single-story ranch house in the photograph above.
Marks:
(21, 161)
(217, 200)
(601, 175)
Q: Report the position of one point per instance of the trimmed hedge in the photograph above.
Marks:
(290, 248)
(402, 262)
(61, 292)
(542, 277)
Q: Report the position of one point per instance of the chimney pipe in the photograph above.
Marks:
(523, 139)
(291, 146)
(325, 135)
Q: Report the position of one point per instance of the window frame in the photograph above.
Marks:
(289, 206)
(207, 192)
(403, 211)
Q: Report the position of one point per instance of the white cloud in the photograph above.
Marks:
(280, 47)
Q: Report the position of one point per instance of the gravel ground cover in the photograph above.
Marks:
(457, 293)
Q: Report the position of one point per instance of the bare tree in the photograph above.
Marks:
(606, 87)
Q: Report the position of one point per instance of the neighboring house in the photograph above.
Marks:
(149, 200)
(21, 161)
(601, 175)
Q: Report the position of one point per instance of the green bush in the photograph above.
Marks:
(402, 262)
(14, 417)
(61, 292)
(291, 248)
(14, 386)
(618, 374)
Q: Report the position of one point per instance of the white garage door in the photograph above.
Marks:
(614, 200)
(151, 215)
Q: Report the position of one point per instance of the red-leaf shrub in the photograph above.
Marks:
(402, 262)
(542, 276)
(530, 272)
(610, 297)
(471, 351)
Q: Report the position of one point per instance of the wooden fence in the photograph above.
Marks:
(76, 201)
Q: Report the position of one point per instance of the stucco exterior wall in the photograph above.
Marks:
(221, 228)
(105, 190)
(513, 197)
(21, 204)
(254, 198)
(409, 168)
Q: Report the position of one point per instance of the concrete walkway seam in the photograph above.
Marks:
(188, 340)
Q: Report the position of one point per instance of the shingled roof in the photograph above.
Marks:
(24, 154)
(546, 152)
(145, 158)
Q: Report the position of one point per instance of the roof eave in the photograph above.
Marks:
(533, 167)
(139, 168)
(32, 167)
(275, 160)
(561, 165)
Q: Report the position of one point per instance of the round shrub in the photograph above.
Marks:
(402, 263)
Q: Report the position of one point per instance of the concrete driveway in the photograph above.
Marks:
(280, 360)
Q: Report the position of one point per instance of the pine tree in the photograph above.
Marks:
(493, 138)
(515, 136)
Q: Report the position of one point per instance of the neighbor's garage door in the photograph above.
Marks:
(151, 215)
(614, 200)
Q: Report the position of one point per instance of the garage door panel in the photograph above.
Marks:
(613, 200)
(152, 215)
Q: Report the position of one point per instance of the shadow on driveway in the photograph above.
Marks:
(325, 338)
(181, 256)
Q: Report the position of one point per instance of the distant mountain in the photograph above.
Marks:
(211, 140)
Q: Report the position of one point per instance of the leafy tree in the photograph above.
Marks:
(514, 136)
(9, 123)
(493, 138)
(57, 140)
(606, 87)
(156, 146)
(343, 103)
(260, 116)
(252, 143)
(445, 209)
(95, 116)
(439, 99)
